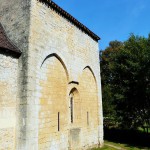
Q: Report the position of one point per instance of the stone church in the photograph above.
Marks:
(50, 86)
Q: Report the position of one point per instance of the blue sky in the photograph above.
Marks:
(111, 19)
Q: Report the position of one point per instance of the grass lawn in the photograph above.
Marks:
(119, 139)
(127, 139)
(105, 148)
(125, 146)
(111, 146)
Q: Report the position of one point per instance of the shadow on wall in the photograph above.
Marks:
(129, 137)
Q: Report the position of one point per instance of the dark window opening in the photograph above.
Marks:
(87, 118)
(71, 109)
(58, 121)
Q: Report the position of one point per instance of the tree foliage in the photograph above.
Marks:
(125, 70)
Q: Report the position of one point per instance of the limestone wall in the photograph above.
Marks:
(63, 53)
(53, 106)
(8, 101)
(15, 19)
(58, 62)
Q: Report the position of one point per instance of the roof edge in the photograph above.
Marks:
(9, 46)
(65, 14)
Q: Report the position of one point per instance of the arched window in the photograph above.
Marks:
(75, 107)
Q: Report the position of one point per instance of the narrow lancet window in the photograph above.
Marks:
(87, 118)
(58, 121)
(71, 109)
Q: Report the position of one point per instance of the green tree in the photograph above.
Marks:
(106, 58)
(125, 69)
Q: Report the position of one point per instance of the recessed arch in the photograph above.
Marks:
(53, 102)
(88, 67)
(61, 61)
(89, 98)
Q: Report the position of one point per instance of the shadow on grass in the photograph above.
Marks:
(129, 137)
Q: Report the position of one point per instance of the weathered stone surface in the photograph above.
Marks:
(15, 17)
(8, 101)
(59, 62)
